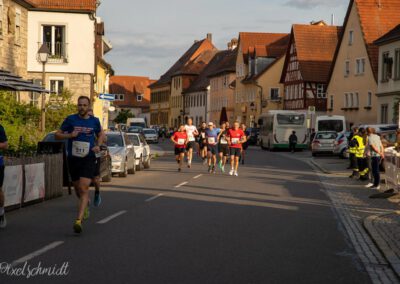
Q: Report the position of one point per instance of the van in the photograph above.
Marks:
(335, 123)
(137, 121)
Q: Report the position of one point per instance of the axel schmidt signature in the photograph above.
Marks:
(26, 270)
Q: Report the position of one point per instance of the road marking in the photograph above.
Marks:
(113, 216)
(36, 253)
(181, 184)
(154, 197)
(196, 177)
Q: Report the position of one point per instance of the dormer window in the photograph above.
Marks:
(139, 97)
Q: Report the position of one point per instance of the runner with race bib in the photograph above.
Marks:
(236, 138)
(212, 140)
(223, 147)
(191, 132)
(180, 139)
(81, 130)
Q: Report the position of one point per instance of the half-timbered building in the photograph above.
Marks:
(307, 64)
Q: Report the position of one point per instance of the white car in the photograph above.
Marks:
(151, 135)
(142, 150)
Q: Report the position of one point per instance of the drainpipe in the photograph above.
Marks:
(261, 96)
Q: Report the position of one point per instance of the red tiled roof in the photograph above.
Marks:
(392, 35)
(250, 40)
(197, 65)
(194, 51)
(78, 5)
(227, 63)
(315, 46)
(131, 86)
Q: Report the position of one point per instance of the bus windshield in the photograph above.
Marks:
(290, 119)
(330, 125)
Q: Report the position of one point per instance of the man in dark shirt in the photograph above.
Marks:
(292, 142)
(3, 146)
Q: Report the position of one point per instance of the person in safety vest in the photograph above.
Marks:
(360, 154)
(352, 153)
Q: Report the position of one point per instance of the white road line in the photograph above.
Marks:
(181, 184)
(196, 177)
(36, 253)
(154, 197)
(113, 216)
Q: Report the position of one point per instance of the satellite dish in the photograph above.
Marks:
(111, 108)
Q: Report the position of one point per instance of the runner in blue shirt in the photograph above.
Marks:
(212, 142)
(81, 130)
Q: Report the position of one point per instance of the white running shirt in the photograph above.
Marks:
(190, 129)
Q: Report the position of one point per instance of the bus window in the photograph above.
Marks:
(290, 119)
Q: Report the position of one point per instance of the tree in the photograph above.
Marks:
(123, 116)
(58, 108)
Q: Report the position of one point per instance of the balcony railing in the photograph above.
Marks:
(58, 52)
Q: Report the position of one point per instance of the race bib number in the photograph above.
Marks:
(203, 135)
(211, 140)
(191, 137)
(80, 149)
(181, 141)
(235, 141)
(223, 141)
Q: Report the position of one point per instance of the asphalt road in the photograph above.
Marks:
(272, 224)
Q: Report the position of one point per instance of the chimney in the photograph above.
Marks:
(234, 43)
(230, 45)
(333, 20)
(209, 37)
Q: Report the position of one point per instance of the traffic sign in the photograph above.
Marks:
(107, 97)
(311, 110)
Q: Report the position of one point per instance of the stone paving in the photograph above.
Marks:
(372, 225)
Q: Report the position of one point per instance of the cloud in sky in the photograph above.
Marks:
(307, 4)
(149, 36)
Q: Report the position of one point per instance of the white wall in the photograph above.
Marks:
(392, 85)
(79, 37)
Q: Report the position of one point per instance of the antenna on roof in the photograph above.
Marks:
(333, 20)
(379, 4)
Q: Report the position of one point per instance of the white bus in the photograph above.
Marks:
(335, 123)
(277, 125)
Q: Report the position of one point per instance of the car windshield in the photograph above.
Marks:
(114, 140)
(50, 138)
(135, 129)
(149, 131)
(326, 135)
(330, 125)
(134, 140)
(291, 119)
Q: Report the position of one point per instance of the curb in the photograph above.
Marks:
(322, 169)
(380, 242)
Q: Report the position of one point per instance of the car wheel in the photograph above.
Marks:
(108, 177)
(139, 167)
(147, 163)
(125, 173)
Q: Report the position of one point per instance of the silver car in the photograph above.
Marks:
(324, 142)
(341, 144)
(142, 151)
(122, 153)
(151, 135)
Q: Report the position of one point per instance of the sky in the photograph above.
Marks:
(149, 36)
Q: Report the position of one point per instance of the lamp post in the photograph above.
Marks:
(43, 56)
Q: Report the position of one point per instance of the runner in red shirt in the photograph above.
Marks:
(180, 140)
(236, 138)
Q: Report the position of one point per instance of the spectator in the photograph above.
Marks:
(376, 151)
(292, 142)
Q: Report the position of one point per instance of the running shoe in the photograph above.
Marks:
(236, 174)
(231, 172)
(209, 169)
(205, 162)
(78, 226)
(213, 170)
(3, 221)
(369, 185)
(189, 165)
(86, 214)
(376, 187)
(97, 200)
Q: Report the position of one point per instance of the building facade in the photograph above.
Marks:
(354, 77)
(388, 95)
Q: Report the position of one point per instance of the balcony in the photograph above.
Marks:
(58, 52)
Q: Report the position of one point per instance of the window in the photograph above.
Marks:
(360, 66)
(346, 100)
(384, 114)
(119, 97)
(54, 37)
(387, 63)
(321, 91)
(274, 94)
(355, 100)
(56, 86)
(351, 37)
(351, 100)
(17, 26)
(331, 102)
(397, 64)
(347, 68)
(369, 99)
(34, 99)
(139, 97)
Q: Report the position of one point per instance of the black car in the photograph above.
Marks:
(254, 132)
(105, 164)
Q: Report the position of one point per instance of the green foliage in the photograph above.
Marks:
(123, 116)
(58, 108)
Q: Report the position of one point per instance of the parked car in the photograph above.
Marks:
(341, 144)
(105, 159)
(151, 135)
(142, 151)
(122, 153)
(135, 129)
(324, 142)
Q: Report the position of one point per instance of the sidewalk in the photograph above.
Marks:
(380, 218)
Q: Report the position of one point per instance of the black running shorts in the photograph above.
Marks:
(235, 152)
(179, 151)
(212, 149)
(224, 149)
(82, 167)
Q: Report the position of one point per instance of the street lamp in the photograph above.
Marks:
(43, 56)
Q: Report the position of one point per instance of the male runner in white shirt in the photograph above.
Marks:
(191, 132)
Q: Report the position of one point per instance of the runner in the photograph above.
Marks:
(81, 130)
(180, 140)
(191, 132)
(3, 146)
(212, 140)
(203, 142)
(236, 137)
(223, 147)
(96, 180)
(245, 145)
